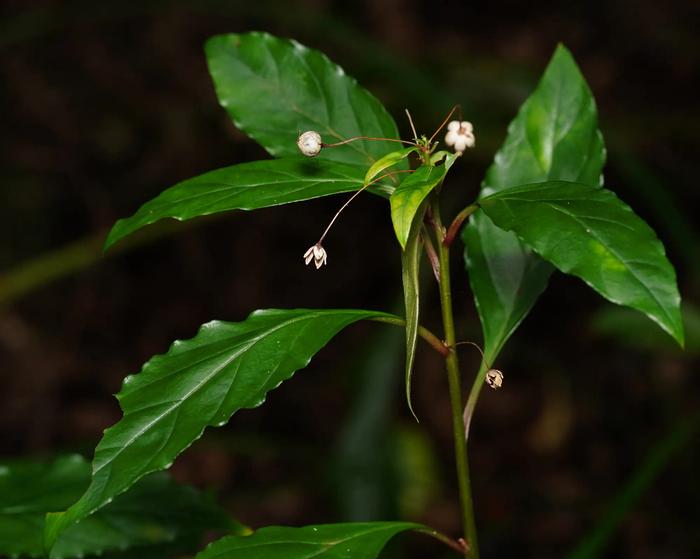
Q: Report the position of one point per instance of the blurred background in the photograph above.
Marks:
(593, 439)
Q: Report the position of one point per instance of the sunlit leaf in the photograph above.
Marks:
(409, 196)
(389, 160)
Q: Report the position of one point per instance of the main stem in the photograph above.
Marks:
(453, 378)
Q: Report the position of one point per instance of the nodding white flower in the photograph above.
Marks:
(310, 143)
(316, 253)
(494, 378)
(460, 135)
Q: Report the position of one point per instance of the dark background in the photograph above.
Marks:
(104, 104)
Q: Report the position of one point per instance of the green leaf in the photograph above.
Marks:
(247, 186)
(408, 198)
(506, 279)
(588, 232)
(155, 511)
(410, 276)
(27, 491)
(200, 382)
(273, 89)
(555, 136)
(361, 540)
(389, 160)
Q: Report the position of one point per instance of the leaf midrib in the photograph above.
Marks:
(591, 231)
(325, 545)
(198, 386)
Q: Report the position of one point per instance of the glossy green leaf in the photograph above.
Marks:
(588, 232)
(200, 382)
(410, 276)
(357, 540)
(247, 186)
(389, 160)
(273, 89)
(506, 279)
(555, 136)
(155, 511)
(409, 196)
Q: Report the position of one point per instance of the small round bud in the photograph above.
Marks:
(310, 143)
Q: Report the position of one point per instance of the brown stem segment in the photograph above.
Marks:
(343, 142)
(432, 255)
(459, 546)
(457, 223)
(437, 344)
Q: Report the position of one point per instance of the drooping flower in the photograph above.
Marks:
(460, 135)
(310, 143)
(316, 253)
(494, 378)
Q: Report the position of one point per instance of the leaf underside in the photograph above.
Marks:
(410, 276)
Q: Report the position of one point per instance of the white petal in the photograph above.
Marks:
(453, 126)
(308, 255)
(467, 126)
(451, 137)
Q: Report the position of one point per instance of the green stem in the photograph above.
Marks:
(474, 396)
(453, 378)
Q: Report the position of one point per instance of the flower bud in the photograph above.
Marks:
(310, 143)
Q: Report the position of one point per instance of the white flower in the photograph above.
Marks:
(494, 378)
(316, 253)
(310, 143)
(460, 135)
